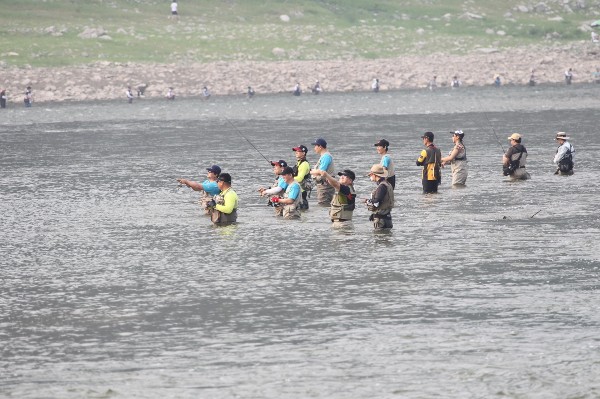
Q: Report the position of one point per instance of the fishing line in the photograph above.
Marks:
(493, 130)
(245, 138)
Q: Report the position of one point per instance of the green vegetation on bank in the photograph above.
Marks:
(48, 32)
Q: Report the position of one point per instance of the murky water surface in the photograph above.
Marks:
(113, 283)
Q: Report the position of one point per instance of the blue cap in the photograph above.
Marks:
(215, 169)
(320, 142)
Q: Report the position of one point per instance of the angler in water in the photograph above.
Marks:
(278, 188)
(457, 160)
(209, 187)
(224, 206)
(565, 155)
(515, 158)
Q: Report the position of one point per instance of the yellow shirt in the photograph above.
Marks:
(230, 201)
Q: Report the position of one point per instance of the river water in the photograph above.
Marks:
(114, 285)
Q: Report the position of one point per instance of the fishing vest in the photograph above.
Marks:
(306, 183)
(565, 165)
(431, 163)
(462, 155)
(390, 168)
(219, 217)
(386, 205)
(330, 170)
(342, 207)
(520, 155)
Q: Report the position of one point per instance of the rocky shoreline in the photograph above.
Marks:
(109, 80)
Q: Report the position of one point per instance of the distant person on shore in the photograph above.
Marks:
(595, 37)
(497, 81)
(170, 94)
(596, 76)
(129, 94)
(457, 160)
(3, 98)
(250, 92)
(532, 78)
(141, 89)
(297, 90)
(205, 93)
(565, 155)
(316, 89)
(514, 159)
(432, 83)
(431, 161)
(382, 147)
(174, 14)
(375, 85)
(456, 82)
(568, 76)
(28, 99)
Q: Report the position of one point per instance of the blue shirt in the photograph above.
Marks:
(325, 160)
(281, 183)
(210, 187)
(385, 161)
(293, 191)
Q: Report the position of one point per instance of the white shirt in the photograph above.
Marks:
(173, 7)
(562, 151)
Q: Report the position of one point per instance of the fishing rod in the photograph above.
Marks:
(493, 130)
(245, 138)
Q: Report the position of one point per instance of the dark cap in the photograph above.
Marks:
(281, 163)
(300, 148)
(320, 142)
(215, 169)
(347, 172)
(382, 143)
(287, 171)
(225, 177)
(428, 135)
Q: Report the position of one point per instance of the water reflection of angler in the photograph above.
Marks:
(278, 188)
(565, 155)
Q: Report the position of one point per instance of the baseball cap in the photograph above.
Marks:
(281, 163)
(287, 171)
(215, 169)
(300, 148)
(347, 172)
(428, 135)
(514, 136)
(320, 142)
(225, 177)
(382, 143)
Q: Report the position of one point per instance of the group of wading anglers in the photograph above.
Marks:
(289, 193)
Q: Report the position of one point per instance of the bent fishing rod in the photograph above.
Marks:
(245, 138)
(493, 130)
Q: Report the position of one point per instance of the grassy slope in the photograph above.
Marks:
(221, 30)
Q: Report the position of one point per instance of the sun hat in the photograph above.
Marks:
(561, 136)
(514, 136)
(378, 170)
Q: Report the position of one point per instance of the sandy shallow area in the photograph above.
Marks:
(109, 80)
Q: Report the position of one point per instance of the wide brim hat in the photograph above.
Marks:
(561, 136)
(378, 170)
